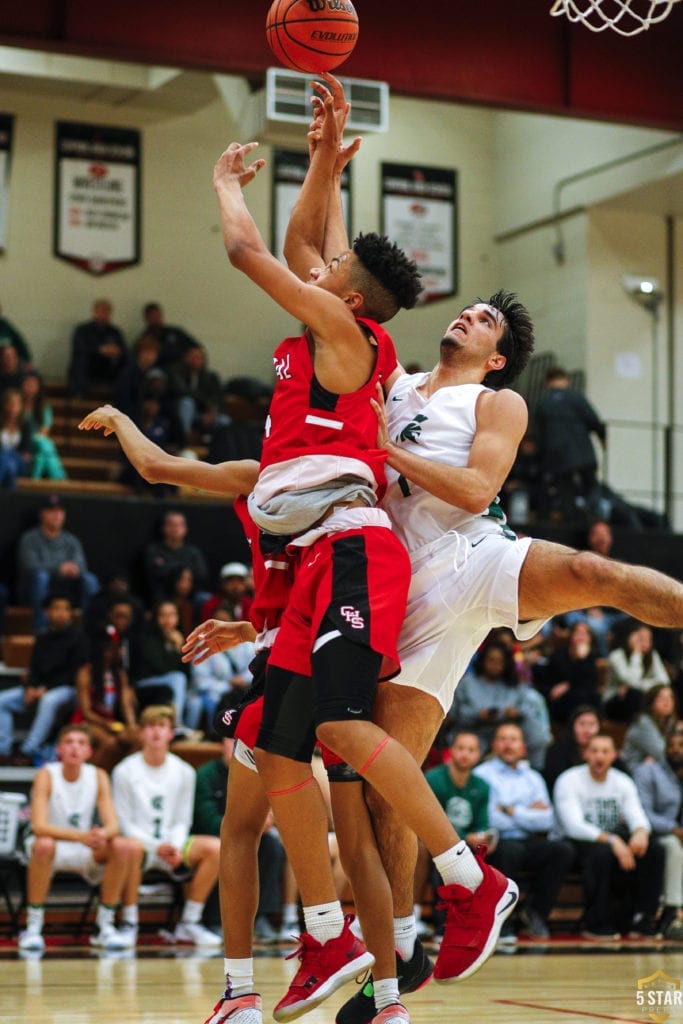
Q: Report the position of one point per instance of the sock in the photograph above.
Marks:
(324, 921)
(35, 918)
(105, 916)
(458, 865)
(192, 911)
(129, 915)
(405, 934)
(239, 976)
(290, 914)
(386, 993)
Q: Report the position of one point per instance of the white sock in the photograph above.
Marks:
(192, 912)
(386, 992)
(324, 921)
(129, 915)
(239, 976)
(35, 919)
(405, 934)
(105, 916)
(290, 913)
(458, 865)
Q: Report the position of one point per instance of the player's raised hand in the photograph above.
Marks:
(231, 168)
(99, 419)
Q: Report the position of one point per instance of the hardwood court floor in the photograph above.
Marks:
(527, 988)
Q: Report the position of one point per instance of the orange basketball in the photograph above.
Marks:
(312, 35)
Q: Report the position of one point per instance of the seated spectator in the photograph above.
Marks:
(131, 384)
(106, 702)
(74, 828)
(570, 675)
(116, 589)
(154, 799)
(15, 439)
(98, 353)
(598, 809)
(569, 749)
(161, 664)
(46, 463)
(522, 814)
(209, 808)
(245, 403)
(233, 597)
(173, 341)
(195, 392)
(633, 667)
(646, 737)
(50, 558)
(161, 428)
(491, 693)
(11, 337)
(224, 675)
(660, 784)
(164, 556)
(49, 689)
(11, 371)
(181, 591)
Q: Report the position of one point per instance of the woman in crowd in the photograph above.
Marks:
(161, 666)
(571, 676)
(46, 460)
(633, 667)
(646, 737)
(15, 439)
(106, 702)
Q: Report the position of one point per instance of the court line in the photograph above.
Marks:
(557, 1009)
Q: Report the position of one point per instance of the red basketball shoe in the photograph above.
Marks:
(473, 922)
(324, 968)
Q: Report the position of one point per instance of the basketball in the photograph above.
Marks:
(312, 35)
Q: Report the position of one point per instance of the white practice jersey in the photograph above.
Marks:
(155, 805)
(440, 428)
(72, 804)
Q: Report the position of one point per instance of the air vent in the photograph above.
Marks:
(288, 99)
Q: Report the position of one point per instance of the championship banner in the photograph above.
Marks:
(289, 171)
(419, 214)
(97, 196)
(6, 124)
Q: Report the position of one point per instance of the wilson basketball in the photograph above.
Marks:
(312, 35)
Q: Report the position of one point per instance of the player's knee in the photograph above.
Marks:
(43, 848)
(334, 735)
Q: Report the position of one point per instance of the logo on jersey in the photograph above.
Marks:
(75, 819)
(158, 803)
(282, 368)
(413, 430)
(352, 616)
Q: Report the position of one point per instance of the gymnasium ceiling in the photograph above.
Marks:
(503, 53)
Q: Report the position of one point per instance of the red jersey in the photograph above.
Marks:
(317, 433)
(273, 574)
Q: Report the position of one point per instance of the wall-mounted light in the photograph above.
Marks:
(646, 291)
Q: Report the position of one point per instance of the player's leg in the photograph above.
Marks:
(202, 856)
(556, 579)
(39, 875)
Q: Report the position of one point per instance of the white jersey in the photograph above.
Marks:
(72, 804)
(154, 804)
(440, 428)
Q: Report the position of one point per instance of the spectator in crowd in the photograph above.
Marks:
(15, 439)
(195, 391)
(646, 736)
(245, 403)
(161, 668)
(569, 749)
(180, 590)
(633, 667)
(564, 422)
(106, 702)
(491, 693)
(98, 353)
(164, 556)
(74, 828)
(522, 814)
(131, 383)
(59, 653)
(11, 337)
(660, 787)
(570, 675)
(232, 597)
(209, 807)
(161, 427)
(154, 799)
(224, 675)
(46, 463)
(11, 371)
(173, 341)
(116, 589)
(51, 558)
(598, 809)
(522, 490)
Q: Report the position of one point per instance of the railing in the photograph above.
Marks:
(643, 461)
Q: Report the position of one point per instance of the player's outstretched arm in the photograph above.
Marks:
(158, 467)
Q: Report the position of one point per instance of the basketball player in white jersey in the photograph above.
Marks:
(154, 799)
(66, 796)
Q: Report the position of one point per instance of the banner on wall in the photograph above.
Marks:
(97, 196)
(6, 125)
(289, 171)
(419, 213)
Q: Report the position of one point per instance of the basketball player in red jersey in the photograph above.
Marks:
(346, 604)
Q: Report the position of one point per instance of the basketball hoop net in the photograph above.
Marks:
(627, 17)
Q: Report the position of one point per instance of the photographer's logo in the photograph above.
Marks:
(658, 996)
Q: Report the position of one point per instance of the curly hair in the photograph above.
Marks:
(517, 343)
(386, 278)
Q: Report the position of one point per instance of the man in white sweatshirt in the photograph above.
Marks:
(599, 810)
